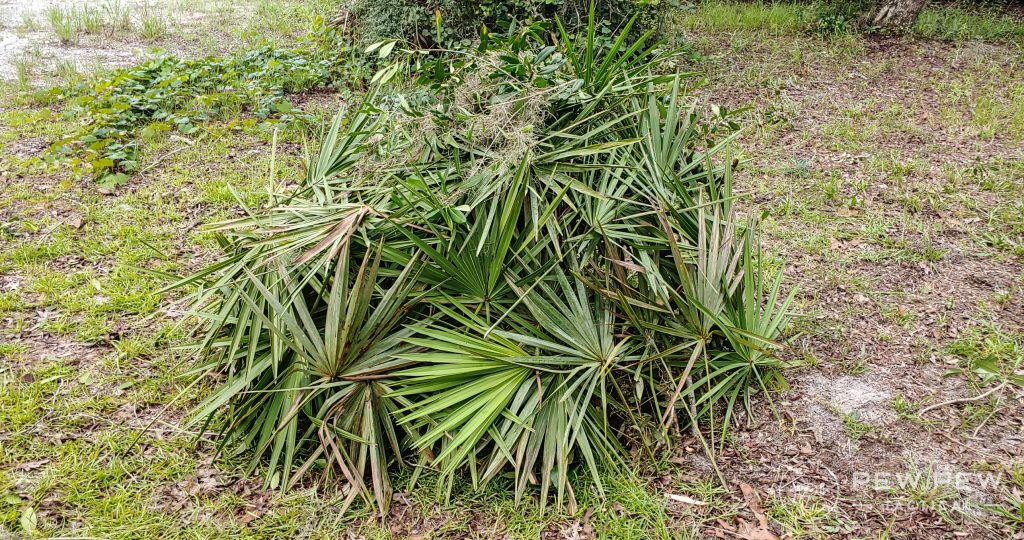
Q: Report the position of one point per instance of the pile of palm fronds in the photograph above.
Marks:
(520, 260)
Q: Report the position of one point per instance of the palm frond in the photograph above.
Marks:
(521, 261)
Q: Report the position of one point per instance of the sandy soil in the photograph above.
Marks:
(193, 28)
(38, 43)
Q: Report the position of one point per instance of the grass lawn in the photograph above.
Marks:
(890, 173)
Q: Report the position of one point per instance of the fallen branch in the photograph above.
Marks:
(684, 499)
(963, 400)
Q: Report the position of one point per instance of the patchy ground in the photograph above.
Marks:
(42, 41)
(890, 174)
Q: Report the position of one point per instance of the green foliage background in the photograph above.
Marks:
(461, 20)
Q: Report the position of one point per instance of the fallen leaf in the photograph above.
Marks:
(749, 531)
(31, 465)
(29, 519)
(588, 529)
(631, 266)
(246, 518)
(571, 531)
(12, 498)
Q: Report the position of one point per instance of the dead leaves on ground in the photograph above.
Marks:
(749, 531)
(209, 483)
(746, 530)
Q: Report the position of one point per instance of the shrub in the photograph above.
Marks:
(523, 262)
(168, 92)
(456, 22)
(839, 17)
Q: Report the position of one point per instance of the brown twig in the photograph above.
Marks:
(963, 400)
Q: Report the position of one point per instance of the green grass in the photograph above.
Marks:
(283, 22)
(115, 489)
(153, 25)
(923, 487)
(770, 17)
(92, 20)
(28, 24)
(117, 15)
(66, 22)
(69, 21)
(808, 518)
(137, 231)
(23, 70)
(968, 23)
(991, 354)
(954, 23)
(855, 428)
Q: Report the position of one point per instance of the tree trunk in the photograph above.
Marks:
(894, 14)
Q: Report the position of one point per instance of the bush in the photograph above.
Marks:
(168, 92)
(457, 22)
(839, 17)
(523, 264)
